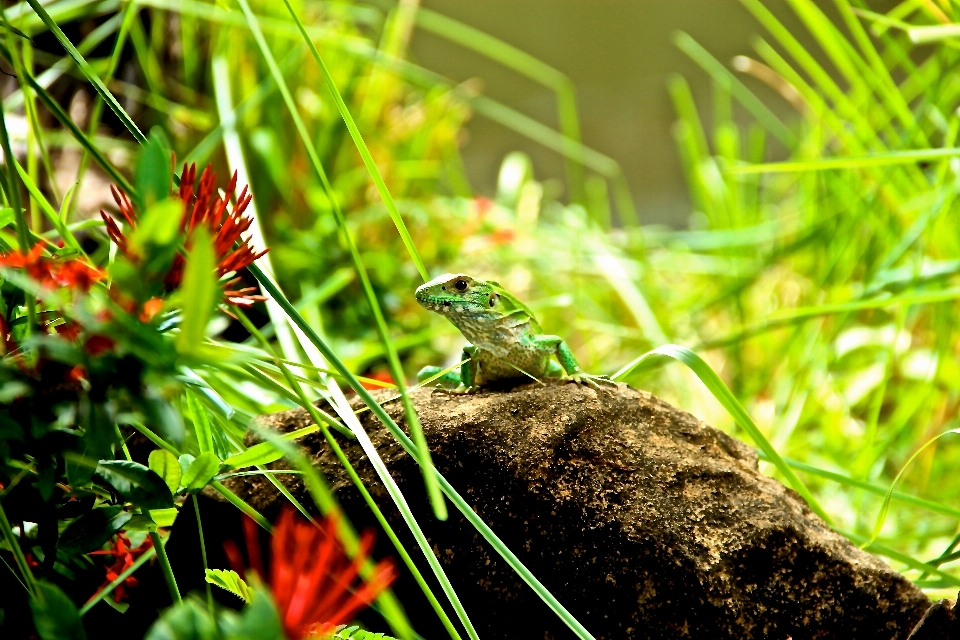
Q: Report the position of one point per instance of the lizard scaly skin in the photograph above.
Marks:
(506, 341)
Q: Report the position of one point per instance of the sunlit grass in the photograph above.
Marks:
(817, 292)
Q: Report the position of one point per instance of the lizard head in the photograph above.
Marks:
(455, 294)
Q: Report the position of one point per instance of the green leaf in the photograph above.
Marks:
(52, 215)
(158, 226)
(201, 423)
(259, 620)
(153, 172)
(185, 621)
(265, 452)
(136, 483)
(90, 531)
(199, 291)
(232, 582)
(166, 465)
(54, 614)
(185, 461)
(142, 523)
(6, 217)
(163, 416)
(164, 517)
(201, 471)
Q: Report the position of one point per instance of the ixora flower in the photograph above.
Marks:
(313, 582)
(73, 274)
(52, 272)
(201, 207)
(123, 557)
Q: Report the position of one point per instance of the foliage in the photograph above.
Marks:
(812, 299)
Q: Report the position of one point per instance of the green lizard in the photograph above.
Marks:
(506, 341)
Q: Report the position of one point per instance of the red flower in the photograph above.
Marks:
(124, 558)
(311, 577)
(203, 207)
(51, 272)
(382, 376)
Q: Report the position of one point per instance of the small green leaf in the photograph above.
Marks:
(142, 523)
(185, 461)
(153, 172)
(201, 471)
(164, 517)
(265, 452)
(162, 415)
(54, 614)
(188, 620)
(90, 531)
(158, 226)
(136, 483)
(232, 582)
(201, 423)
(258, 620)
(165, 465)
(199, 291)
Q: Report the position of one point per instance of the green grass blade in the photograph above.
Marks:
(116, 582)
(414, 453)
(433, 492)
(52, 215)
(522, 62)
(54, 107)
(744, 96)
(912, 156)
(357, 140)
(88, 72)
(905, 498)
(12, 193)
(320, 418)
(885, 506)
(911, 562)
(729, 402)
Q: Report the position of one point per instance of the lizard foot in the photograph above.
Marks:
(591, 380)
(460, 390)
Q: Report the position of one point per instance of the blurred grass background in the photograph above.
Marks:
(623, 178)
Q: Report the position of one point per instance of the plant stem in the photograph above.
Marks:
(203, 555)
(11, 539)
(165, 567)
(233, 499)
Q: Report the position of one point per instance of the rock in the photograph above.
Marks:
(643, 521)
(938, 623)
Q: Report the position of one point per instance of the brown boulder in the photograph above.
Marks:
(643, 521)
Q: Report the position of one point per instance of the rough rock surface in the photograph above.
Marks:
(938, 623)
(642, 520)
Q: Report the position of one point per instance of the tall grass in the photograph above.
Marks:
(819, 290)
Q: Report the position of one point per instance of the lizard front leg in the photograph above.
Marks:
(555, 345)
(453, 381)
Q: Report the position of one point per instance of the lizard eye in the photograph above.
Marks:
(493, 299)
(460, 285)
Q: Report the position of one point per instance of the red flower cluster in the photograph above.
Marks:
(51, 272)
(203, 207)
(311, 577)
(124, 558)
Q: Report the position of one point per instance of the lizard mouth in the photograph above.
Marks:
(435, 305)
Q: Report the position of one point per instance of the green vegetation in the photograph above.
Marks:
(812, 301)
